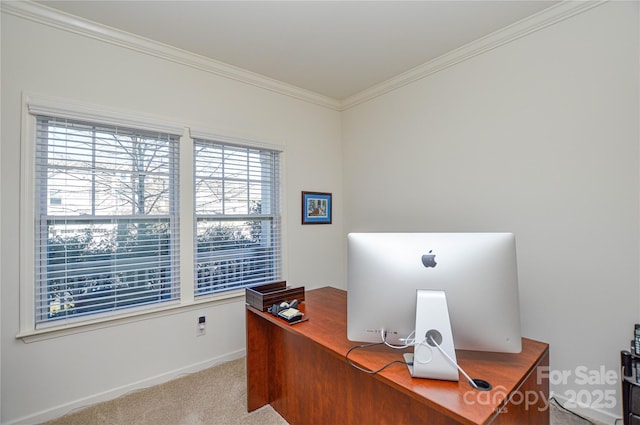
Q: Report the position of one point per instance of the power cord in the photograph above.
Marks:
(372, 372)
(453, 362)
(409, 342)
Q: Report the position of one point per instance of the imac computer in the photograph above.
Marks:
(477, 272)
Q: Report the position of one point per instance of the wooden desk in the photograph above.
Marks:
(302, 372)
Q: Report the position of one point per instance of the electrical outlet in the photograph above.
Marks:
(202, 326)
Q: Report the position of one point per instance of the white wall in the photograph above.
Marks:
(538, 137)
(44, 379)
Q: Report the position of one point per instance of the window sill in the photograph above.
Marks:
(87, 325)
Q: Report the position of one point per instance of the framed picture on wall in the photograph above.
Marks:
(316, 208)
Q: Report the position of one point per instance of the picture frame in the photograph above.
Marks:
(316, 208)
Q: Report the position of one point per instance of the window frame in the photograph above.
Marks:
(34, 105)
(273, 216)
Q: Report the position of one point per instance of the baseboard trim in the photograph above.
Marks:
(81, 403)
(587, 411)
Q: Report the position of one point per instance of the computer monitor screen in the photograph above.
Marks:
(477, 272)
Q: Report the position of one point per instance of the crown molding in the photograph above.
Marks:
(47, 16)
(60, 20)
(547, 17)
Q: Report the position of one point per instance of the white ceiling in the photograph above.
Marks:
(333, 48)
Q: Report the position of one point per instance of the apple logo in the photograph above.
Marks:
(429, 260)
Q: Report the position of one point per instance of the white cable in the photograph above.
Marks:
(417, 358)
(471, 382)
(409, 340)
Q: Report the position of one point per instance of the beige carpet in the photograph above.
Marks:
(213, 396)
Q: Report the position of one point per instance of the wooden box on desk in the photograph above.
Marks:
(264, 296)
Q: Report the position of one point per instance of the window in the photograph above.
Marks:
(106, 228)
(237, 216)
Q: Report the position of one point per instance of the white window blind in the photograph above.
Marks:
(237, 216)
(106, 226)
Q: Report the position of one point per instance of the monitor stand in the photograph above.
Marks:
(432, 327)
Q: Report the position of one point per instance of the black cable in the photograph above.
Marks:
(372, 372)
(569, 411)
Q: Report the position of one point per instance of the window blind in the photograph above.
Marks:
(106, 225)
(237, 216)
